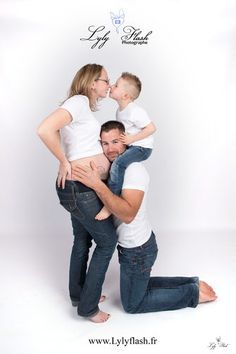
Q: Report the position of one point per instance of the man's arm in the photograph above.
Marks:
(124, 207)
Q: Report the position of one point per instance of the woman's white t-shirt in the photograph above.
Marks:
(80, 138)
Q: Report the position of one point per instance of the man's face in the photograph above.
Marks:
(111, 144)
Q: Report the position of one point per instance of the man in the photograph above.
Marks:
(136, 242)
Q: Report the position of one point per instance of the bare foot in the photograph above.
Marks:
(206, 293)
(100, 317)
(102, 298)
(103, 214)
(205, 286)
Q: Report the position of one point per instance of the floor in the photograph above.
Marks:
(37, 318)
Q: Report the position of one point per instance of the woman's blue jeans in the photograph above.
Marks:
(85, 285)
(119, 165)
(141, 293)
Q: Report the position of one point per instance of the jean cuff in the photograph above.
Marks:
(94, 313)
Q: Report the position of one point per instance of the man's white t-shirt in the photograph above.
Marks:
(139, 230)
(134, 119)
(80, 138)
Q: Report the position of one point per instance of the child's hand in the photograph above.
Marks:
(126, 139)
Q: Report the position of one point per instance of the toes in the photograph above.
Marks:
(102, 298)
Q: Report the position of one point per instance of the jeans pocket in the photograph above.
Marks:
(67, 200)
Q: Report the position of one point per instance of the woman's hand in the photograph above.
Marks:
(64, 173)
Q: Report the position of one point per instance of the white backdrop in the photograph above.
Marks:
(188, 71)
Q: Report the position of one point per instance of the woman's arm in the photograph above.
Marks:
(49, 133)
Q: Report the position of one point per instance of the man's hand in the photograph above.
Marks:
(87, 175)
(124, 207)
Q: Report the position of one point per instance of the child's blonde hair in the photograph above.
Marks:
(134, 83)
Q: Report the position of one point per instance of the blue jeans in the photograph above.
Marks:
(141, 293)
(85, 285)
(117, 171)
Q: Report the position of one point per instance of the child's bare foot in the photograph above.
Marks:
(206, 293)
(103, 214)
(100, 317)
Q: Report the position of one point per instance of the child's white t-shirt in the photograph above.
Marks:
(134, 119)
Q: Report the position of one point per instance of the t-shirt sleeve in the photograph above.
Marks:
(75, 105)
(140, 118)
(136, 177)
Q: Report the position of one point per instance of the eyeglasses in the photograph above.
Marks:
(106, 81)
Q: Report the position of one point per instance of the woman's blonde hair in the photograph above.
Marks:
(81, 84)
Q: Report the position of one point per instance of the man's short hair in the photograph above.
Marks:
(112, 124)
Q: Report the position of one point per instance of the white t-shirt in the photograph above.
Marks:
(81, 137)
(134, 119)
(139, 230)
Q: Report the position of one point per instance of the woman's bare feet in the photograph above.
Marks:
(100, 317)
(102, 298)
(103, 214)
(206, 292)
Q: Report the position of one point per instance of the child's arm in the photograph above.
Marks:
(144, 133)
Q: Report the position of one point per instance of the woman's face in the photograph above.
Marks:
(101, 85)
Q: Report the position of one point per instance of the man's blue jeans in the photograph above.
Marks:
(119, 165)
(141, 293)
(83, 205)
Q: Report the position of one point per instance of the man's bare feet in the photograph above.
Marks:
(206, 292)
(103, 214)
(100, 317)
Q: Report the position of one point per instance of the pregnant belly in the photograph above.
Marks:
(100, 161)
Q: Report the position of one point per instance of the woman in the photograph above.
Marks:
(75, 125)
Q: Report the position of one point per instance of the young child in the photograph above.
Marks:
(138, 127)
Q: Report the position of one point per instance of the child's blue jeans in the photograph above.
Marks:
(117, 171)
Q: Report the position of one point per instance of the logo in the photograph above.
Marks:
(98, 35)
(117, 20)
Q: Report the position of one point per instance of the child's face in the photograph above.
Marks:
(119, 89)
